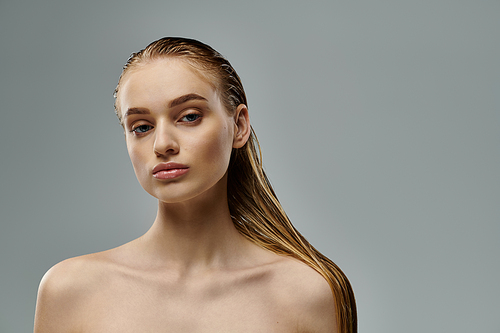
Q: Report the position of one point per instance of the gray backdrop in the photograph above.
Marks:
(379, 122)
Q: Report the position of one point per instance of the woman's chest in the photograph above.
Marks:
(204, 307)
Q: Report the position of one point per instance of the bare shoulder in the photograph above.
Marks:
(307, 294)
(69, 273)
(63, 289)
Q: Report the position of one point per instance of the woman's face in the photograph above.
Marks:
(179, 135)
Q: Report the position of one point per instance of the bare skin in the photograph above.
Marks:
(192, 271)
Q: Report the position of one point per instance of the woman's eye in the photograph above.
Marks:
(141, 129)
(190, 117)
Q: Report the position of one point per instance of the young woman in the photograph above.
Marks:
(221, 255)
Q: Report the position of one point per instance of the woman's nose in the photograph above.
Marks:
(165, 142)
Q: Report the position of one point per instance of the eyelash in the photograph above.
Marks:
(137, 130)
(198, 116)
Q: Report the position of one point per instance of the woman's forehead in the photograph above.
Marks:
(161, 81)
(165, 67)
(157, 84)
(173, 63)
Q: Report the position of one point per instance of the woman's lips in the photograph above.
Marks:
(169, 170)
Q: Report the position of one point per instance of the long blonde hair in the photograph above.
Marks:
(255, 210)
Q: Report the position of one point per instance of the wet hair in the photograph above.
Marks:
(254, 207)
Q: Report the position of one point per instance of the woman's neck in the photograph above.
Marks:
(195, 235)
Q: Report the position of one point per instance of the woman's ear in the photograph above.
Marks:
(242, 126)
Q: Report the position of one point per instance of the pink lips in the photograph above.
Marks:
(169, 170)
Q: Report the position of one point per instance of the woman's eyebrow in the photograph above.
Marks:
(178, 101)
(185, 98)
(131, 111)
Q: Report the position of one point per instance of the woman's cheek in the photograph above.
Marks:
(138, 163)
(219, 148)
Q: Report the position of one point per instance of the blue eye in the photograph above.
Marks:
(191, 117)
(141, 129)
